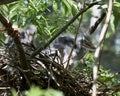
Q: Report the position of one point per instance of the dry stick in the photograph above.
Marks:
(78, 88)
(62, 30)
(114, 88)
(14, 34)
(5, 88)
(70, 55)
(97, 52)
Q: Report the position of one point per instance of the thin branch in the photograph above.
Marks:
(62, 29)
(76, 35)
(78, 89)
(115, 88)
(5, 88)
(97, 52)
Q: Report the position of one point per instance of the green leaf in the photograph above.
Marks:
(52, 92)
(118, 1)
(117, 4)
(67, 6)
(74, 10)
(112, 23)
(115, 16)
(36, 91)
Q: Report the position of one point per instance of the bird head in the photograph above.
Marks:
(30, 32)
(27, 34)
(86, 43)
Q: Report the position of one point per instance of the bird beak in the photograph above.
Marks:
(30, 38)
(87, 44)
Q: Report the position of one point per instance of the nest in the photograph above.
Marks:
(43, 72)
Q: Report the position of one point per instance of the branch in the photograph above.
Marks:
(97, 52)
(62, 29)
(64, 75)
(15, 35)
(114, 88)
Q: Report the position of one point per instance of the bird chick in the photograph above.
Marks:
(27, 35)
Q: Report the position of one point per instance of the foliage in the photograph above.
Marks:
(36, 91)
(115, 16)
(49, 16)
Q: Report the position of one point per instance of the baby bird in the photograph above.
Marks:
(26, 36)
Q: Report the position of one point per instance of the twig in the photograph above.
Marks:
(114, 88)
(62, 30)
(97, 52)
(76, 34)
(77, 88)
(5, 88)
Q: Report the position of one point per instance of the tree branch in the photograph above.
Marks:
(97, 52)
(15, 35)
